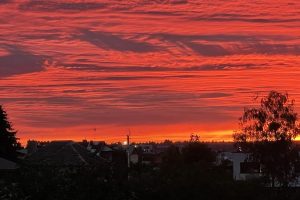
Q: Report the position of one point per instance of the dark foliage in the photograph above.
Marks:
(267, 132)
(173, 179)
(8, 141)
(197, 152)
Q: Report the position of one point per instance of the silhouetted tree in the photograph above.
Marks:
(267, 132)
(169, 142)
(194, 138)
(196, 151)
(171, 156)
(8, 141)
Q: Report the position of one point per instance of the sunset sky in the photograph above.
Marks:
(76, 69)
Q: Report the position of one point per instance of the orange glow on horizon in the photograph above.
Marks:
(217, 136)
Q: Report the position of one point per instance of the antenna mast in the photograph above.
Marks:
(128, 148)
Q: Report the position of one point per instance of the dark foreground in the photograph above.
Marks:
(67, 171)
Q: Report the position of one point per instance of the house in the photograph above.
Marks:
(147, 154)
(22, 153)
(33, 146)
(242, 166)
(106, 152)
(95, 146)
(7, 165)
(62, 154)
(161, 148)
(245, 169)
(7, 168)
(134, 158)
(148, 148)
(100, 149)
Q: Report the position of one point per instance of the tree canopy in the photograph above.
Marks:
(267, 131)
(8, 141)
(275, 119)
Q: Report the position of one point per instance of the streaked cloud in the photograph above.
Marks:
(57, 5)
(161, 68)
(18, 61)
(114, 42)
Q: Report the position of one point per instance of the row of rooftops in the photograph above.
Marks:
(70, 153)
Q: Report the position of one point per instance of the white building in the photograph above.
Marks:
(243, 168)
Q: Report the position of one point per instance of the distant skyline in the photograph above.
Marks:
(163, 68)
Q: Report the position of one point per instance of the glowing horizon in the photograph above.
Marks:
(164, 69)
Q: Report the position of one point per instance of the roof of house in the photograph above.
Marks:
(106, 149)
(7, 164)
(22, 151)
(63, 153)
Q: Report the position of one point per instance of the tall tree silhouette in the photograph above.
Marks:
(267, 132)
(8, 141)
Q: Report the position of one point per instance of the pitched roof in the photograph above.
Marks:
(63, 153)
(7, 165)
